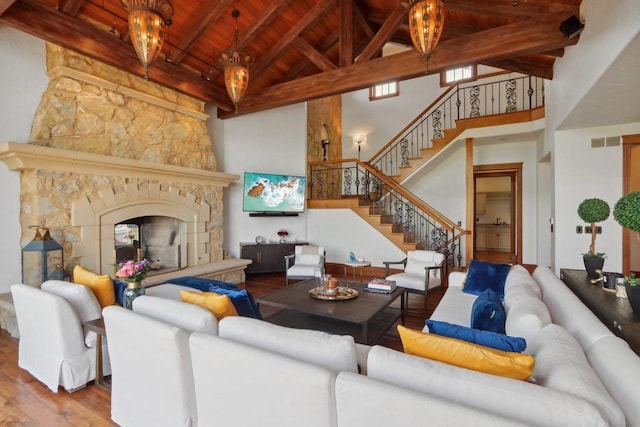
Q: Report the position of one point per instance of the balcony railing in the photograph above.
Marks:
(479, 100)
(418, 222)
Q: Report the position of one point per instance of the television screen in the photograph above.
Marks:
(265, 192)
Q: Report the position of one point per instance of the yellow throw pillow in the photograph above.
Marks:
(101, 286)
(466, 355)
(220, 305)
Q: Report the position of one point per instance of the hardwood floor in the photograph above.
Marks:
(26, 401)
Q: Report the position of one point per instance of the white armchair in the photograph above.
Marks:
(307, 261)
(53, 346)
(152, 381)
(423, 270)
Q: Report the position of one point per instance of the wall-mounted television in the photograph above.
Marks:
(271, 194)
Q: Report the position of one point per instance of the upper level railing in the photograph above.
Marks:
(477, 100)
(420, 223)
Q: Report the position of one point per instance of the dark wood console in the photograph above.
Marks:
(614, 312)
(267, 257)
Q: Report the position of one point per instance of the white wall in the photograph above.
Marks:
(544, 213)
(23, 79)
(381, 120)
(609, 27)
(342, 231)
(582, 172)
(273, 142)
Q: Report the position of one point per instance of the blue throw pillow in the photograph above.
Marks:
(240, 298)
(487, 313)
(201, 284)
(119, 286)
(483, 275)
(477, 336)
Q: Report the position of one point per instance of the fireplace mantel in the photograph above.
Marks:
(21, 157)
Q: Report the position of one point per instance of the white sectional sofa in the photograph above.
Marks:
(255, 373)
(578, 378)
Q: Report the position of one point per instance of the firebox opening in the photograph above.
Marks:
(159, 239)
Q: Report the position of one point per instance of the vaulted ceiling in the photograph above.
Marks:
(302, 49)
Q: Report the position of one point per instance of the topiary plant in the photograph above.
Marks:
(592, 211)
(627, 211)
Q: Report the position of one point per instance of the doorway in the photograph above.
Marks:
(631, 182)
(498, 213)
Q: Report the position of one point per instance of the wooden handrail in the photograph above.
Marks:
(432, 212)
(412, 122)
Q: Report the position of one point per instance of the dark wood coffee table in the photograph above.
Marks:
(366, 317)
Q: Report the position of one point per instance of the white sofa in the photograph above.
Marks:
(578, 379)
(255, 373)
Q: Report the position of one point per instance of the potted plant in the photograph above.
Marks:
(632, 285)
(626, 212)
(592, 211)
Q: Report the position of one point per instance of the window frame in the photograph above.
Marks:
(443, 76)
(374, 97)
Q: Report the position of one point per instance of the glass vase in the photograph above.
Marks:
(134, 290)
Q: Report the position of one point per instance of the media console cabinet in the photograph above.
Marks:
(614, 312)
(267, 257)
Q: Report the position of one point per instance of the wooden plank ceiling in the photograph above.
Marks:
(302, 49)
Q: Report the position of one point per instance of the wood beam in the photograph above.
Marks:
(384, 34)
(208, 16)
(307, 20)
(518, 9)
(249, 33)
(5, 4)
(71, 33)
(531, 65)
(314, 56)
(327, 44)
(496, 44)
(71, 7)
(361, 20)
(346, 33)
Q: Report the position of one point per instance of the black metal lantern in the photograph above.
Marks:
(42, 259)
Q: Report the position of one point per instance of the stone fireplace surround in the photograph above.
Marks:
(94, 217)
(106, 146)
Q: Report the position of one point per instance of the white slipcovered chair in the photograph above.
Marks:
(423, 270)
(152, 380)
(54, 347)
(308, 262)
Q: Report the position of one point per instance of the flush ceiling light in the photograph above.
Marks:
(147, 19)
(236, 69)
(426, 22)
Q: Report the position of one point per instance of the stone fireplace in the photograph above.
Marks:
(109, 148)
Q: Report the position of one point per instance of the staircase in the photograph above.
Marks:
(373, 189)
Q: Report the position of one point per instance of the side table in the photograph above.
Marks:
(356, 265)
(97, 326)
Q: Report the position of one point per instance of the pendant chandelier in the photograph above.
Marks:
(426, 22)
(236, 69)
(147, 19)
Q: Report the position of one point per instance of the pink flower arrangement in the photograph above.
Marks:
(283, 233)
(132, 271)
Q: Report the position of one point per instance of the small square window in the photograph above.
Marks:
(384, 90)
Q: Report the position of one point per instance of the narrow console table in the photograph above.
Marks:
(614, 312)
(267, 257)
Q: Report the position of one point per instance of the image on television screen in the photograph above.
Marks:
(264, 192)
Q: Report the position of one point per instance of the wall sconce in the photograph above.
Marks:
(359, 139)
(324, 140)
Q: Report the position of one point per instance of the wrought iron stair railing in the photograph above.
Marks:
(419, 223)
(458, 102)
